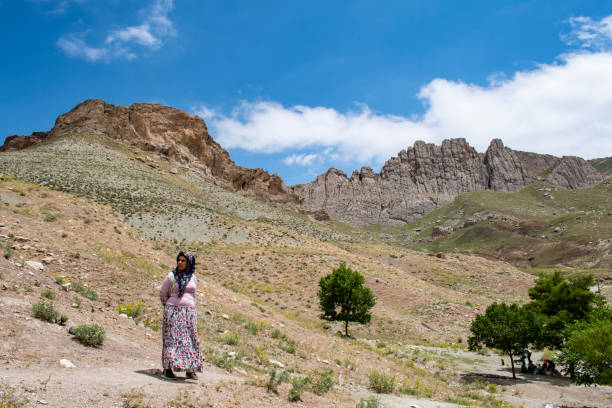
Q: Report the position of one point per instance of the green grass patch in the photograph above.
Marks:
(85, 291)
(45, 311)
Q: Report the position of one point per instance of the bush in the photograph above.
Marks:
(322, 381)
(371, 402)
(45, 311)
(276, 333)
(232, 338)
(298, 385)
(48, 293)
(381, 383)
(276, 379)
(252, 327)
(288, 345)
(8, 250)
(223, 361)
(50, 218)
(134, 310)
(90, 334)
(85, 291)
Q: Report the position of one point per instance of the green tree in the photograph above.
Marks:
(563, 300)
(342, 297)
(508, 328)
(587, 354)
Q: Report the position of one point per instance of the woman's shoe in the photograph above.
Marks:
(168, 373)
(191, 376)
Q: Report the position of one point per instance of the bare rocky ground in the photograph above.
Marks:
(251, 288)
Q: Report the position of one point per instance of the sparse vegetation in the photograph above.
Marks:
(90, 334)
(298, 386)
(276, 378)
(86, 291)
(50, 217)
(134, 310)
(322, 381)
(381, 383)
(48, 293)
(7, 250)
(370, 402)
(232, 338)
(45, 311)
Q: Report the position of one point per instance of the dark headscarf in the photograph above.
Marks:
(182, 278)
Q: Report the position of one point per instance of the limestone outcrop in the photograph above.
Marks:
(173, 133)
(425, 177)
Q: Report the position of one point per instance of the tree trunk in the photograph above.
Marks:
(512, 361)
(346, 328)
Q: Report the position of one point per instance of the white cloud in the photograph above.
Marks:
(589, 33)
(120, 43)
(76, 47)
(561, 108)
(301, 159)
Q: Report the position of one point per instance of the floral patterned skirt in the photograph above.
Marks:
(180, 347)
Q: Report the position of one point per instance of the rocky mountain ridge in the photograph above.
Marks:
(425, 177)
(176, 135)
(420, 179)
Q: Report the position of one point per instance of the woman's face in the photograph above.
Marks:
(181, 264)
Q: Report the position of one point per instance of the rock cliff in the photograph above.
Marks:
(425, 177)
(173, 133)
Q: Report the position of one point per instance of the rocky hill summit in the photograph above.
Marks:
(179, 136)
(425, 177)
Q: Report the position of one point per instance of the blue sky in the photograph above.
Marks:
(298, 86)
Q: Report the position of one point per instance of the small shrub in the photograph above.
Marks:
(60, 280)
(134, 310)
(276, 379)
(90, 334)
(76, 301)
(75, 255)
(287, 345)
(8, 251)
(154, 324)
(50, 218)
(117, 230)
(381, 383)
(232, 338)
(371, 402)
(48, 293)
(322, 381)
(45, 311)
(87, 221)
(85, 291)
(276, 333)
(298, 386)
(63, 319)
(223, 361)
(27, 289)
(252, 327)
(64, 235)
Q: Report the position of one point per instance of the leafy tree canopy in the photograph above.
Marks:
(342, 297)
(508, 328)
(563, 300)
(587, 354)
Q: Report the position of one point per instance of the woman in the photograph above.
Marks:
(180, 347)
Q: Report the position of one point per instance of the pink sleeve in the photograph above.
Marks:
(163, 291)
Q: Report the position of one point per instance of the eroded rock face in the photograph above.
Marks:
(173, 133)
(425, 177)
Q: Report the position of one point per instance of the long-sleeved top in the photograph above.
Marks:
(168, 293)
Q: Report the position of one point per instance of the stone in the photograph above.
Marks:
(35, 265)
(42, 402)
(277, 363)
(173, 170)
(226, 317)
(66, 363)
(19, 238)
(47, 260)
